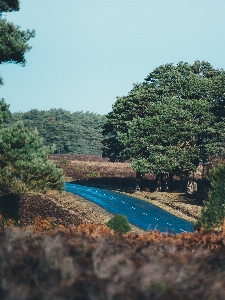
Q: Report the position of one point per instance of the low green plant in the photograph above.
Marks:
(119, 223)
(92, 175)
(53, 224)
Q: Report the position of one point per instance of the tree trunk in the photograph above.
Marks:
(223, 226)
(159, 182)
(184, 181)
(170, 182)
(165, 182)
(139, 181)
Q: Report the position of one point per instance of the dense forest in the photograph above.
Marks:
(77, 133)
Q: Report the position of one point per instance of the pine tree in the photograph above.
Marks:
(213, 213)
(24, 162)
(77, 133)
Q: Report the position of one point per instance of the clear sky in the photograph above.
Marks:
(87, 52)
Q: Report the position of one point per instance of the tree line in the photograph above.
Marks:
(75, 133)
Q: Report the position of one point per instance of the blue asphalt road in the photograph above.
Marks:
(139, 213)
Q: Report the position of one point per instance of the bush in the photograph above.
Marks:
(92, 175)
(119, 223)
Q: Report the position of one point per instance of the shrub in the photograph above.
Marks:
(119, 223)
(92, 175)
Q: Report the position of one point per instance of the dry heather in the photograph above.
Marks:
(92, 262)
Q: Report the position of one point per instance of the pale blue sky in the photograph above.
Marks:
(87, 52)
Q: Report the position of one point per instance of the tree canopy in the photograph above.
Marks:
(171, 121)
(24, 162)
(9, 5)
(13, 43)
(76, 133)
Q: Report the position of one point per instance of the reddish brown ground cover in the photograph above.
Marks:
(67, 209)
(92, 262)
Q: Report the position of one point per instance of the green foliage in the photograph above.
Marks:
(213, 213)
(13, 43)
(4, 111)
(9, 5)
(24, 162)
(93, 174)
(159, 286)
(77, 133)
(170, 121)
(119, 223)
